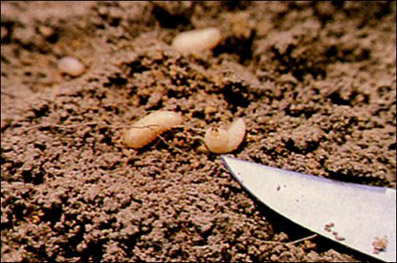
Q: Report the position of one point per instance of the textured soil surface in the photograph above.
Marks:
(314, 82)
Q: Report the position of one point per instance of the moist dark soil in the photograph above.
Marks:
(315, 83)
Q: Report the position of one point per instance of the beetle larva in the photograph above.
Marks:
(71, 66)
(197, 40)
(149, 127)
(219, 140)
(216, 139)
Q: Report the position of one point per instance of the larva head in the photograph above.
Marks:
(216, 140)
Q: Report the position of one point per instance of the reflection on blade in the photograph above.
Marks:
(351, 214)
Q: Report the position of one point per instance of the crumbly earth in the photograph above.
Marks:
(315, 83)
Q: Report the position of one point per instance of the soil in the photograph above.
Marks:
(315, 83)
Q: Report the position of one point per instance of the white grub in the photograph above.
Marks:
(71, 66)
(219, 140)
(197, 40)
(215, 139)
(149, 127)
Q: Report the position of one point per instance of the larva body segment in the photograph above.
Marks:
(220, 140)
(236, 133)
(197, 40)
(149, 127)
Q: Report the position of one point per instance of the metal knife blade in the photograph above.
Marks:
(352, 214)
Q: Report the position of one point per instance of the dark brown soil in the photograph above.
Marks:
(315, 83)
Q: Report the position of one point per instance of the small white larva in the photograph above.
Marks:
(149, 127)
(219, 140)
(71, 66)
(197, 40)
(215, 139)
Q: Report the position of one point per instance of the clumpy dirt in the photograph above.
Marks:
(315, 83)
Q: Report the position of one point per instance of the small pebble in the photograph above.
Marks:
(46, 31)
(4, 32)
(197, 40)
(71, 66)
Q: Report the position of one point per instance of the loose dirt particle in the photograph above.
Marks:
(379, 244)
(339, 238)
(4, 32)
(46, 31)
(328, 226)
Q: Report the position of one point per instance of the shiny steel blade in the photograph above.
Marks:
(351, 214)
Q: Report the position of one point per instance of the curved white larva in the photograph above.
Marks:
(197, 40)
(215, 139)
(149, 127)
(71, 66)
(225, 141)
